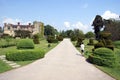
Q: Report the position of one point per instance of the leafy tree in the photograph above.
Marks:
(113, 26)
(79, 33)
(69, 33)
(89, 35)
(63, 33)
(50, 30)
(98, 24)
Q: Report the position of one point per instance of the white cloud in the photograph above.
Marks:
(108, 14)
(77, 25)
(81, 26)
(67, 24)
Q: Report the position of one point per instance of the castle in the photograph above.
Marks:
(37, 27)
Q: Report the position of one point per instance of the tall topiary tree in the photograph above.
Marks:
(104, 41)
(98, 24)
(36, 38)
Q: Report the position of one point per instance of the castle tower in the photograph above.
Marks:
(38, 28)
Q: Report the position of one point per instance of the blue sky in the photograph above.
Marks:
(62, 14)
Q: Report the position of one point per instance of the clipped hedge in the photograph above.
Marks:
(91, 42)
(105, 34)
(36, 39)
(25, 44)
(24, 55)
(5, 43)
(102, 57)
(98, 45)
(117, 44)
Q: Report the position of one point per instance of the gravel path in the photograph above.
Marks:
(63, 62)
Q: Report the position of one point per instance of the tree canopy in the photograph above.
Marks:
(50, 30)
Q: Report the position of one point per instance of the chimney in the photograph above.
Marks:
(5, 24)
(18, 23)
(29, 24)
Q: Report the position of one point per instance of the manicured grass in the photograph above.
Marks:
(4, 67)
(114, 72)
(42, 46)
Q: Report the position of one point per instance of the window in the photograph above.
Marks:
(8, 27)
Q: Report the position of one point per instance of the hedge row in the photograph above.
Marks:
(117, 44)
(24, 55)
(4, 43)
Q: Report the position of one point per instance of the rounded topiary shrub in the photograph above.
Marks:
(60, 38)
(117, 44)
(36, 38)
(24, 55)
(99, 44)
(105, 35)
(25, 44)
(102, 57)
(91, 42)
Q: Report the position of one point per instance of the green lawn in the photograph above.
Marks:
(4, 67)
(43, 46)
(114, 72)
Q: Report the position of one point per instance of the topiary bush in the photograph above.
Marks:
(25, 44)
(24, 55)
(59, 38)
(79, 41)
(117, 44)
(105, 35)
(91, 42)
(98, 45)
(36, 39)
(102, 57)
(7, 43)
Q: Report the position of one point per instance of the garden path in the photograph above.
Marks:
(63, 62)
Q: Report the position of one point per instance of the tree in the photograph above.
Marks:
(113, 26)
(89, 35)
(79, 33)
(50, 30)
(63, 33)
(98, 24)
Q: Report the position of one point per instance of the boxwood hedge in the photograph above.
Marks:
(25, 44)
(102, 57)
(24, 55)
(117, 44)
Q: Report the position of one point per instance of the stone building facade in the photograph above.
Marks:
(37, 27)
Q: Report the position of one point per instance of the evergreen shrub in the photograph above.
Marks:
(24, 55)
(51, 39)
(117, 44)
(36, 39)
(91, 42)
(25, 44)
(102, 57)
